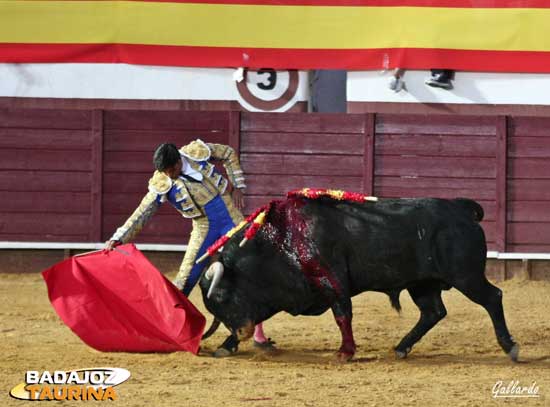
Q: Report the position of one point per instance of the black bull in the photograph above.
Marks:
(312, 255)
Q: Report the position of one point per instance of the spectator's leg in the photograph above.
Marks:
(396, 82)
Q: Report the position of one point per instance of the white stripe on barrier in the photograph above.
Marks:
(181, 248)
(88, 246)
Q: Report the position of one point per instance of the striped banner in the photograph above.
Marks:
(475, 35)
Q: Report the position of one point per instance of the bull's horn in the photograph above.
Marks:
(214, 273)
(243, 242)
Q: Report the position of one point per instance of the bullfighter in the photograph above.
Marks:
(188, 179)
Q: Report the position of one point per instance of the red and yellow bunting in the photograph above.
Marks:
(303, 34)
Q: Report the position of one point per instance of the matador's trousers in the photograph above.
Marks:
(220, 217)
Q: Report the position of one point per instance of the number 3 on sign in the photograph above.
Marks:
(267, 89)
(271, 78)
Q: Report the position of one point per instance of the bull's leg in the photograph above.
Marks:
(231, 343)
(228, 347)
(432, 310)
(342, 312)
(490, 298)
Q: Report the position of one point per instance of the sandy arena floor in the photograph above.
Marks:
(457, 363)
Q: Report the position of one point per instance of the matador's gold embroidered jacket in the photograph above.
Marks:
(187, 196)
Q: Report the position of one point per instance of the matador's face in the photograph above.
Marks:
(175, 170)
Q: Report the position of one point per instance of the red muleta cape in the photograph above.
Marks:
(118, 301)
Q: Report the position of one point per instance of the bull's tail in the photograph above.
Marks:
(213, 327)
(394, 299)
(471, 207)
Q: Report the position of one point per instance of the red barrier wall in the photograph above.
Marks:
(75, 175)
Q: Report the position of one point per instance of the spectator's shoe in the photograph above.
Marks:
(439, 81)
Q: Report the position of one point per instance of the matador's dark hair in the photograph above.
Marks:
(166, 155)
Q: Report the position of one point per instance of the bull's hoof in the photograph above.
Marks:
(227, 348)
(514, 353)
(222, 353)
(343, 357)
(402, 354)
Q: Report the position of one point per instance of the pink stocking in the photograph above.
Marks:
(259, 335)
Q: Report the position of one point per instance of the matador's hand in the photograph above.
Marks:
(110, 244)
(238, 198)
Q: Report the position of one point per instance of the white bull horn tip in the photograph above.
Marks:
(214, 273)
(214, 268)
(243, 242)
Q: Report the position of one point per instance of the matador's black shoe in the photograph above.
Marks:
(267, 346)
